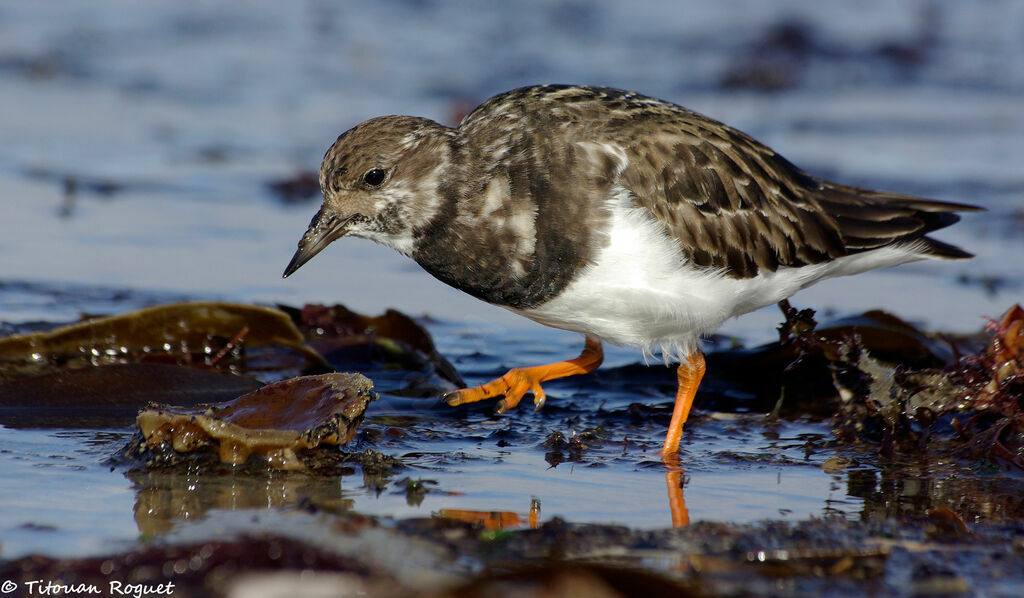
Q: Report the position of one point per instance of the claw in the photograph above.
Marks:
(517, 382)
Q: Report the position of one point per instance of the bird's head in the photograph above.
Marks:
(380, 181)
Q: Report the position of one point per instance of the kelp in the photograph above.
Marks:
(200, 333)
(973, 407)
(390, 341)
(277, 423)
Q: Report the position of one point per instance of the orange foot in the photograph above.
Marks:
(516, 383)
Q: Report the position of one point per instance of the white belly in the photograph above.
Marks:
(641, 291)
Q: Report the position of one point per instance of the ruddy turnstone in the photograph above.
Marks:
(623, 217)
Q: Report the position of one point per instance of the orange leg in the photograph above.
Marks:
(690, 373)
(516, 383)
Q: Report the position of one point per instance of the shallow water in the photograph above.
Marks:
(60, 496)
(139, 145)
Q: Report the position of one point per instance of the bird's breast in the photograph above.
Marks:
(516, 239)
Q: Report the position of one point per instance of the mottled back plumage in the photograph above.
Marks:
(609, 212)
(730, 201)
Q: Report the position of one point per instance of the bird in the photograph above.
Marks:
(626, 218)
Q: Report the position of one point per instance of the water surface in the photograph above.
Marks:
(141, 142)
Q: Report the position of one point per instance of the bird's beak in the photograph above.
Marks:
(323, 229)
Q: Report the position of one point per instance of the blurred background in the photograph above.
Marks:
(166, 150)
(162, 150)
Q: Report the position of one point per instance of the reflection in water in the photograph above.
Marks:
(917, 489)
(496, 520)
(164, 499)
(675, 480)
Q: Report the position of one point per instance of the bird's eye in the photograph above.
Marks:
(374, 177)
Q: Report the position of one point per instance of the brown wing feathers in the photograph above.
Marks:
(871, 219)
(735, 204)
(731, 201)
(727, 213)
